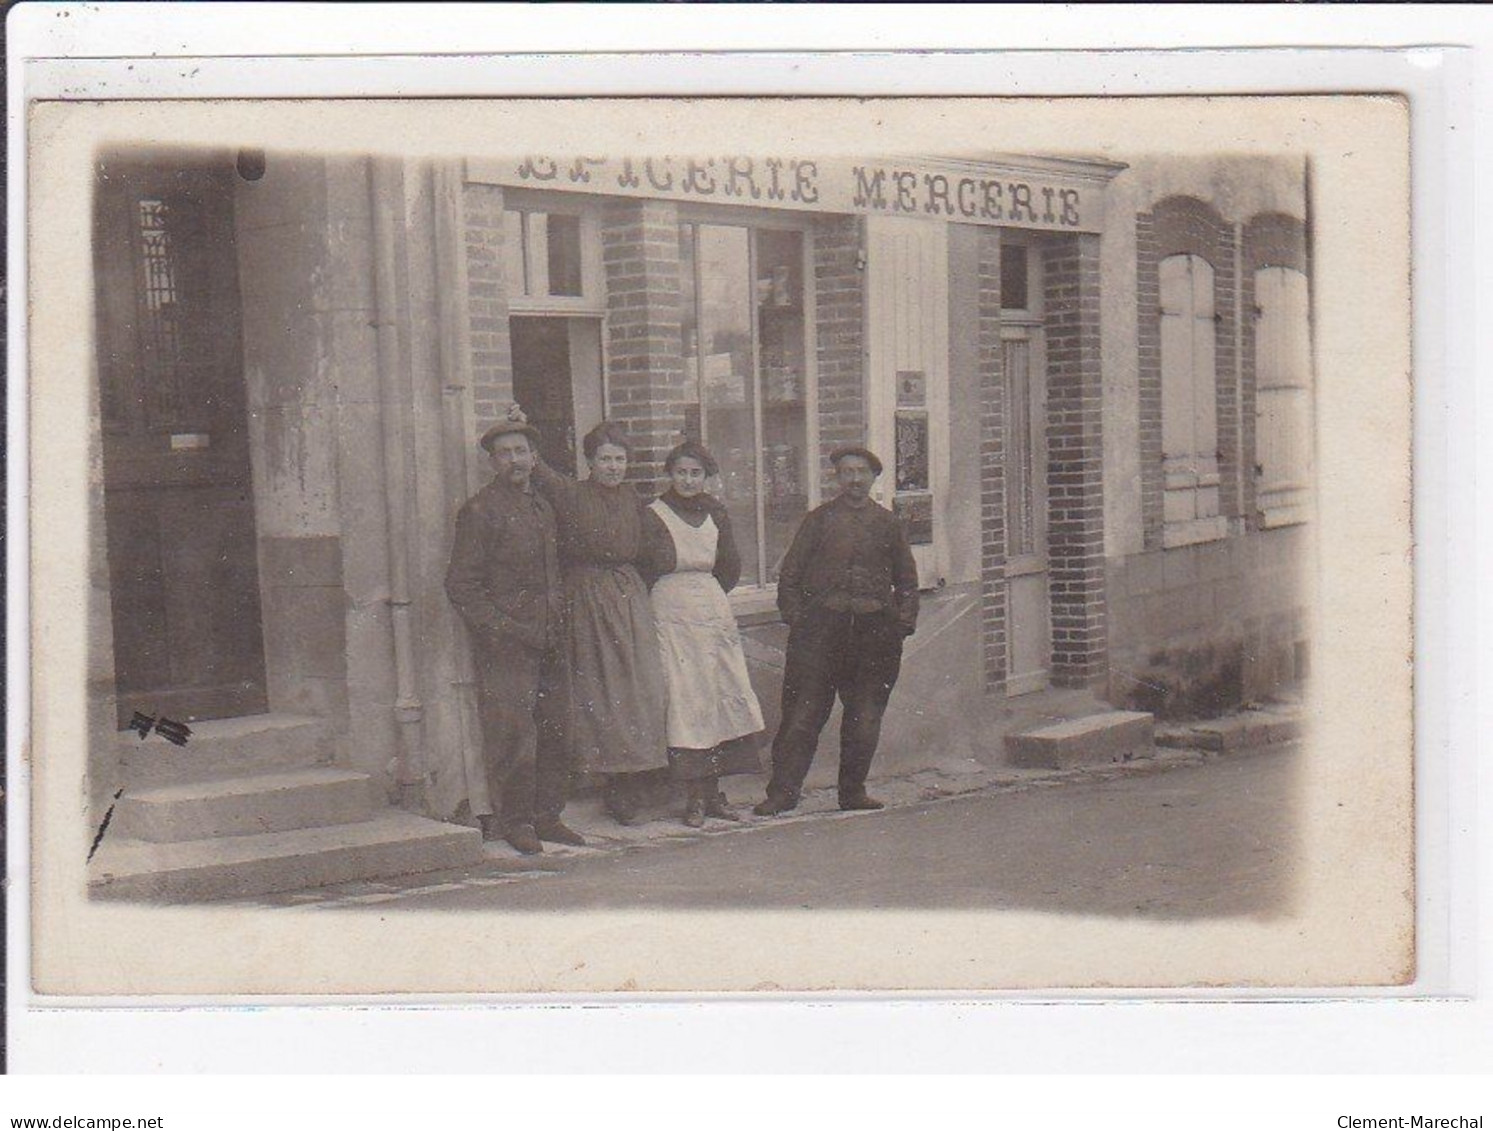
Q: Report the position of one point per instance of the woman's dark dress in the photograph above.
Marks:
(619, 699)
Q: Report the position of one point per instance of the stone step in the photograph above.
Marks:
(220, 748)
(244, 806)
(1239, 732)
(1091, 740)
(393, 843)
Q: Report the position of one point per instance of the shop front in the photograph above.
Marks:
(775, 308)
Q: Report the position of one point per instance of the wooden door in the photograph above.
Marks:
(184, 578)
(557, 380)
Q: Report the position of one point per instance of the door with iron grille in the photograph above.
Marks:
(183, 572)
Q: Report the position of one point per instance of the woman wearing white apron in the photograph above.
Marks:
(691, 563)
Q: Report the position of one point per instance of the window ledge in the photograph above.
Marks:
(756, 606)
(1190, 533)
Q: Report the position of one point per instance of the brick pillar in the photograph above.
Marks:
(1226, 369)
(839, 321)
(1148, 340)
(992, 464)
(1075, 492)
(487, 304)
(1248, 383)
(645, 363)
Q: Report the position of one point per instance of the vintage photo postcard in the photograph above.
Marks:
(734, 545)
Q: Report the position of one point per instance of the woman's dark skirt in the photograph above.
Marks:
(737, 756)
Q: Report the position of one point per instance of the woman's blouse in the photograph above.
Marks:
(597, 525)
(658, 556)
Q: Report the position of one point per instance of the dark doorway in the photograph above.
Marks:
(178, 503)
(542, 385)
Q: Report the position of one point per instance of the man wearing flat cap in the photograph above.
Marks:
(848, 589)
(504, 579)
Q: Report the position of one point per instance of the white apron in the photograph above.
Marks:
(710, 696)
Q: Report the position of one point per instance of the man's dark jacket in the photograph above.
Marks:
(504, 576)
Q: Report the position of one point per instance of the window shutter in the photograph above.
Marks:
(1189, 407)
(1177, 413)
(1282, 394)
(1204, 388)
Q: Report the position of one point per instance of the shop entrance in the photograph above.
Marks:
(178, 500)
(1024, 363)
(557, 379)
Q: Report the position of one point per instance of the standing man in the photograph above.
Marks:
(504, 579)
(848, 589)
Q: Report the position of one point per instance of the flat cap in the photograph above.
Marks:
(507, 428)
(855, 450)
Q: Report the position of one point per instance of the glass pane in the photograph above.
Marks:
(513, 252)
(1020, 480)
(1014, 276)
(780, 324)
(727, 383)
(564, 243)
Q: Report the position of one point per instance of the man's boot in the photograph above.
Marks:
(522, 838)
(556, 831)
(775, 804)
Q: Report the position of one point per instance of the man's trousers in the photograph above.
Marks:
(523, 704)
(856, 656)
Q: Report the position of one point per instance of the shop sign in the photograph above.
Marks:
(1005, 194)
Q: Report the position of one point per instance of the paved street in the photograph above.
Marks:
(1214, 839)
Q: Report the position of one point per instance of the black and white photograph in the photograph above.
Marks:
(609, 514)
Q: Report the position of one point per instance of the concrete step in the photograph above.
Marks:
(1090, 740)
(392, 843)
(244, 806)
(225, 747)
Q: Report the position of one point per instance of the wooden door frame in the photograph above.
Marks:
(1027, 324)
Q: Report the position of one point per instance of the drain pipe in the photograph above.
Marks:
(409, 769)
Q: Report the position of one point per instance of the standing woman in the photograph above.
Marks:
(692, 563)
(618, 692)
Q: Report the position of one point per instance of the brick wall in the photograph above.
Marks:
(487, 301)
(992, 464)
(645, 365)
(1271, 239)
(839, 319)
(1075, 506)
(1184, 225)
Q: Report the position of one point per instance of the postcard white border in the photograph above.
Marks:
(1443, 706)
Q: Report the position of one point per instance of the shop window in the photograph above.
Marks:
(746, 377)
(1189, 405)
(1282, 395)
(545, 254)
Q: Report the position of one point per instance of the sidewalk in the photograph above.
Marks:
(1184, 744)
